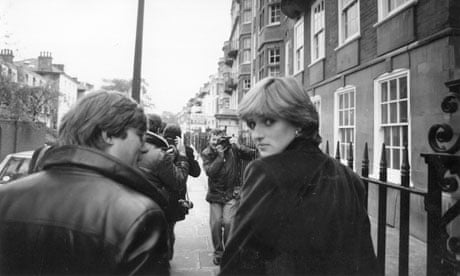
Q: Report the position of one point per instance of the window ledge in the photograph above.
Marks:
(273, 24)
(396, 12)
(316, 61)
(348, 41)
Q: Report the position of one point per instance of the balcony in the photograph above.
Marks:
(230, 83)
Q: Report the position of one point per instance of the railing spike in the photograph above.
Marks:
(383, 164)
(337, 151)
(365, 172)
(327, 147)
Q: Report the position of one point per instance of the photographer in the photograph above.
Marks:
(221, 162)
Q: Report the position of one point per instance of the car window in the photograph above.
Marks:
(15, 168)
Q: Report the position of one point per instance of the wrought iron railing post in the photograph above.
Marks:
(382, 212)
(365, 173)
(404, 216)
(442, 247)
(350, 156)
(337, 151)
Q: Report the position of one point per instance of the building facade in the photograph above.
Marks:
(376, 70)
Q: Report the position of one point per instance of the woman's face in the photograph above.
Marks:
(271, 135)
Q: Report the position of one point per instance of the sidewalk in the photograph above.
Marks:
(193, 249)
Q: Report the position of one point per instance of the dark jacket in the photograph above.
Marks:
(301, 213)
(194, 167)
(223, 173)
(83, 213)
(173, 171)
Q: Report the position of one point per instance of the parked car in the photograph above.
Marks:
(15, 165)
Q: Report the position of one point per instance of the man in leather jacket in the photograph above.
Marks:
(222, 166)
(88, 209)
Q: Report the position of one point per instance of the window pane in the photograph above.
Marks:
(393, 89)
(396, 136)
(352, 117)
(388, 157)
(384, 113)
(404, 136)
(342, 135)
(345, 115)
(403, 111)
(403, 88)
(341, 101)
(384, 92)
(386, 135)
(393, 113)
(396, 160)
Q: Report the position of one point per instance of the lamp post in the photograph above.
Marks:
(136, 84)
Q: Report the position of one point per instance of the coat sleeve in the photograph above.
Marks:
(194, 169)
(246, 249)
(246, 153)
(212, 163)
(144, 248)
(173, 172)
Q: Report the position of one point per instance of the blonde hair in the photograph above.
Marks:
(282, 97)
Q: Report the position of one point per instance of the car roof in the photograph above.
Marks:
(24, 154)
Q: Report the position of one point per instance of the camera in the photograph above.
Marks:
(224, 141)
(186, 203)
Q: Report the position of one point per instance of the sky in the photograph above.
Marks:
(95, 40)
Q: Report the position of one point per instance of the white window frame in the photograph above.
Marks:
(274, 71)
(299, 49)
(384, 13)
(275, 54)
(346, 108)
(393, 175)
(287, 47)
(343, 38)
(247, 84)
(274, 15)
(318, 31)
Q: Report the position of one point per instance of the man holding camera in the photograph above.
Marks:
(221, 162)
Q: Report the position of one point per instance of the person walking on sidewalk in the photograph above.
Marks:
(301, 211)
(221, 162)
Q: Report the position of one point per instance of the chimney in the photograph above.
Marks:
(6, 55)
(44, 61)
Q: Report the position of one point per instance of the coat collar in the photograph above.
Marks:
(98, 161)
(300, 143)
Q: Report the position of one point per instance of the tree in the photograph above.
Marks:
(21, 102)
(124, 86)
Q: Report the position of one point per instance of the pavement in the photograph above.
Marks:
(193, 248)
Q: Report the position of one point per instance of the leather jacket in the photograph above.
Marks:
(84, 213)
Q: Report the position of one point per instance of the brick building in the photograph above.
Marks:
(377, 72)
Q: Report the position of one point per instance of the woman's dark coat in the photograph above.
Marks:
(83, 213)
(301, 213)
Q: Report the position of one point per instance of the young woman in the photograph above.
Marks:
(301, 211)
